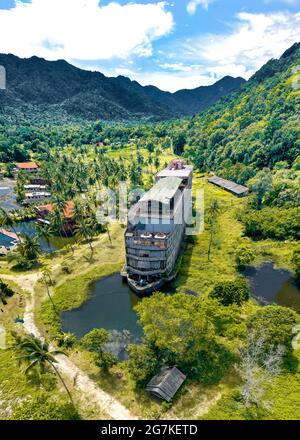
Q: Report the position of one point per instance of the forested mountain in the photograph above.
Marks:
(39, 90)
(255, 128)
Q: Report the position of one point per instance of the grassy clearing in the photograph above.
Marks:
(15, 386)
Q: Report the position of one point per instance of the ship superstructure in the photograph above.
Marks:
(156, 228)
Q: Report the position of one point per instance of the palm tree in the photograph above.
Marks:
(46, 272)
(213, 211)
(60, 208)
(44, 232)
(7, 220)
(28, 249)
(36, 354)
(56, 222)
(85, 230)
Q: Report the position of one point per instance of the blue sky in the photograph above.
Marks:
(171, 44)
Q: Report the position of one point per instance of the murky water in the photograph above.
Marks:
(55, 243)
(109, 306)
(270, 285)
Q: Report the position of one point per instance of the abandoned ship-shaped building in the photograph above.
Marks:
(156, 228)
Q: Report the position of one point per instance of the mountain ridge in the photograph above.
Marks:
(39, 87)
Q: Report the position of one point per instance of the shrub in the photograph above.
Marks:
(231, 292)
(274, 324)
(276, 223)
(243, 256)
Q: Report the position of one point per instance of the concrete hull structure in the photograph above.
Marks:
(156, 230)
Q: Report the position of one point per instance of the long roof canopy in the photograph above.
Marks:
(227, 184)
(163, 191)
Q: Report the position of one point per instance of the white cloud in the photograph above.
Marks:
(172, 81)
(171, 78)
(255, 39)
(287, 2)
(251, 41)
(82, 29)
(193, 5)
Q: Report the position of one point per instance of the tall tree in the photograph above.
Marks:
(46, 273)
(36, 354)
(212, 211)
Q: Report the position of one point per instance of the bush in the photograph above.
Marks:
(95, 342)
(274, 324)
(65, 268)
(243, 256)
(275, 223)
(66, 340)
(231, 292)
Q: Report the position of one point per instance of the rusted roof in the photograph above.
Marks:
(27, 165)
(68, 212)
(228, 185)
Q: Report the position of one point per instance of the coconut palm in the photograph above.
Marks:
(85, 230)
(7, 220)
(46, 272)
(44, 232)
(36, 354)
(58, 214)
(56, 222)
(212, 211)
(28, 250)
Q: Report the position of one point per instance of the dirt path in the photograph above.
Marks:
(81, 380)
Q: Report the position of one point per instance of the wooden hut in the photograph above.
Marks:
(166, 383)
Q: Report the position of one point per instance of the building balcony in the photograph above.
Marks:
(145, 271)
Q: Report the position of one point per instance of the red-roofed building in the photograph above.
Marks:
(44, 213)
(28, 167)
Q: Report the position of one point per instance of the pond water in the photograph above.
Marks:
(109, 306)
(270, 285)
(55, 243)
